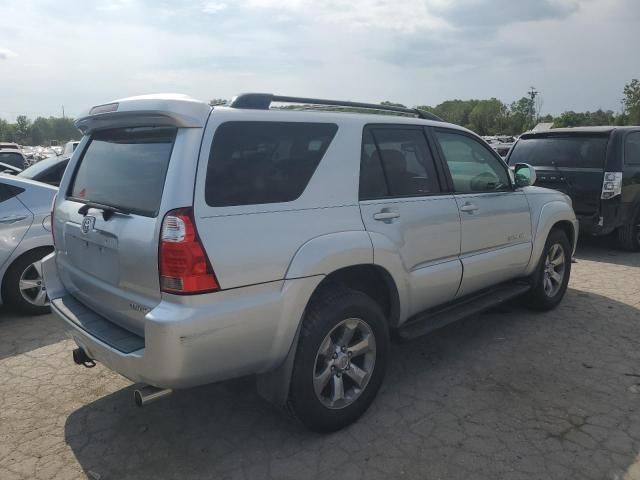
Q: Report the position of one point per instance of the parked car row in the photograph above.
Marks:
(303, 239)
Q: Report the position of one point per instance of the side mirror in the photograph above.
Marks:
(525, 175)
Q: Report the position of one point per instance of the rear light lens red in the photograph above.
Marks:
(183, 263)
(53, 206)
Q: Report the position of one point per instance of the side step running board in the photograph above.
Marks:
(431, 320)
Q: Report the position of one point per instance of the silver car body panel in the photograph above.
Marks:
(270, 258)
(24, 221)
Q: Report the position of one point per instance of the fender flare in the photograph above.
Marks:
(550, 214)
(328, 253)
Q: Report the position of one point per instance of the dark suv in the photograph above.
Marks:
(598, 167)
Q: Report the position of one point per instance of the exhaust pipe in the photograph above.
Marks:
(80, 357)
(148, 394)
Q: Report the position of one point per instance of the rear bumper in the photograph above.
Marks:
(610, 215)
(196, 340)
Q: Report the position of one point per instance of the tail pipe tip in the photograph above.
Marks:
(149, 394)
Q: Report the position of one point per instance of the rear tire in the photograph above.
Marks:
(340, 361)
(552, 274)
(629, 234)
(23, 273)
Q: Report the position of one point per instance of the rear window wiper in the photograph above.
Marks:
(107, 210)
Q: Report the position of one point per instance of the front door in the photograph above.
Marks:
(495, 219)
(405, 211)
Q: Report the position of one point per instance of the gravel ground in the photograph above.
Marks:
(508, 394)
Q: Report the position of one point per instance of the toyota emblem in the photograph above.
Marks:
(87, 224)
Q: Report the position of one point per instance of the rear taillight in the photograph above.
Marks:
(611, 185)
(53, 207)
(183, 263)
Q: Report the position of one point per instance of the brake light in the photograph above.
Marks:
(183, 264)
(53, 206)
(611, 185)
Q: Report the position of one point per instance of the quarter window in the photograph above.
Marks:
(396, 162)
(9, 191)
(264, 162)
(632, 149)
(473, 167)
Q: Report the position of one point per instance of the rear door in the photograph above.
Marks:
(495, 218)
(107, 223)
(15, 220)
(403, 202)
(570, 163)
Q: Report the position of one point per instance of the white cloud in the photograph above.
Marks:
(6, 53)
(214, 7)
(410, 51)
(401, 15)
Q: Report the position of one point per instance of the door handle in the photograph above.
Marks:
(12, 219)
(469, 208)
(385, 216)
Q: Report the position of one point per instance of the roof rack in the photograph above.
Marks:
(262, 101)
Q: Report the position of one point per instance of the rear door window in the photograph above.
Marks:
(576, 151)
(632, 149)
(125, 168)
(396, 162)
(264, 162)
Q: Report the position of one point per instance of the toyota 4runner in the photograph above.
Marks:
(196, 244)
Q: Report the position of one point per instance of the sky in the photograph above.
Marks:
(578, 54)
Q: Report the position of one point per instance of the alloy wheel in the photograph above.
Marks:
(31, 285)
(554, 270)
(344, 363)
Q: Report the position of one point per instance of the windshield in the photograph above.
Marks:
(125, 168)
(584, 151)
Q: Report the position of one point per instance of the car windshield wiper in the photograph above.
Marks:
(107, 210)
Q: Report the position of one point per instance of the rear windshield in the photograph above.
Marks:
(569, 151)
(13, 159)
(264, 162)
(125, 168)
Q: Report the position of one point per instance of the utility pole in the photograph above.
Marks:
(533, 93)
(62, 111)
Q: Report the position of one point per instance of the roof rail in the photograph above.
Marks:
(262, 101)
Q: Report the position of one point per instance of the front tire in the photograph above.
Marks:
(552, 274)
(340, 361)
(23, 288)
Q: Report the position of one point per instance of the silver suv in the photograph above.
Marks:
(197, 244)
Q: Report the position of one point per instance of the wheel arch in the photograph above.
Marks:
(12, 261)
(555, 214)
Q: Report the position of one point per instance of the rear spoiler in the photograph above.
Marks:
(162, 110)
(140, 118)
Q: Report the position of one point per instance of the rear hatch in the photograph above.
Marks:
(107, 224)
(572, 163)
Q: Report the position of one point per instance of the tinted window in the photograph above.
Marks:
(632, 149)
(473, 167)
(8, 191)
(264, 162)
(13, 159)
(568, 151)
(372, 181)
(396, 162)
(125, 168)
(48, 171)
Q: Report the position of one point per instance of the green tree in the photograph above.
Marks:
(631, 101)
(488, 117)
(22, 129)
(392, 104)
